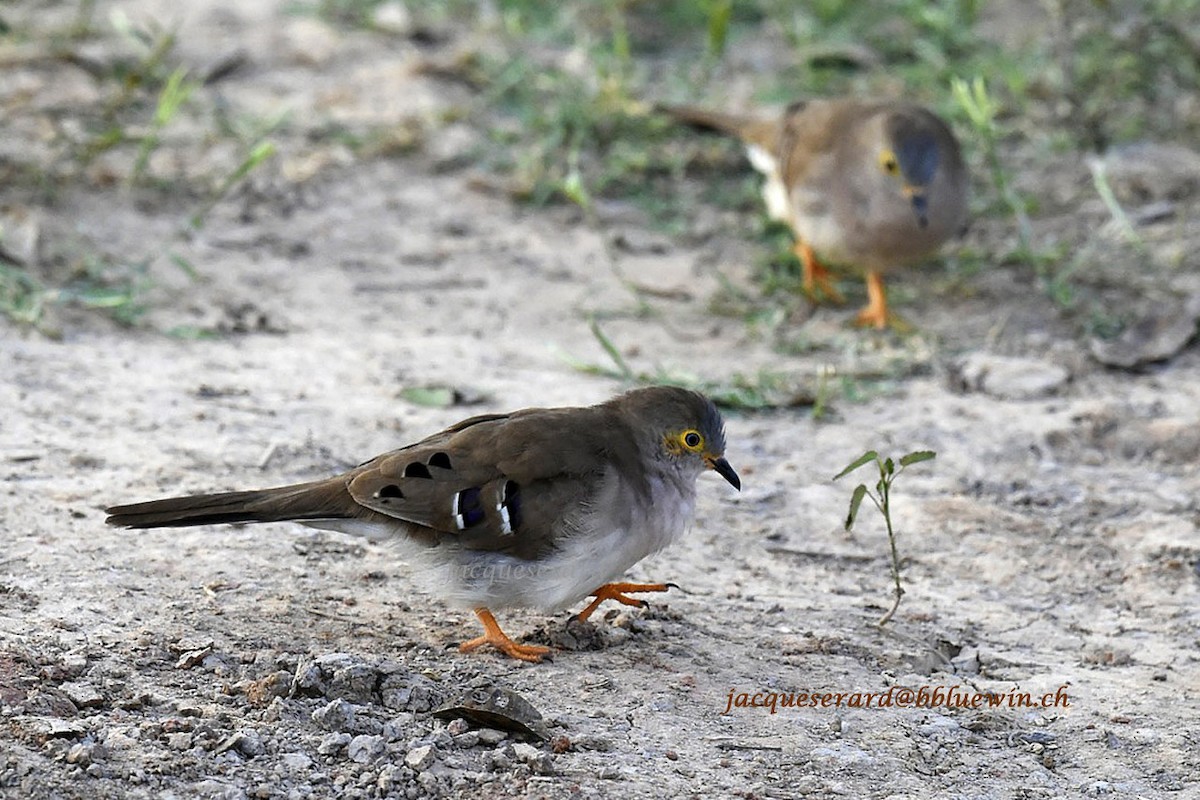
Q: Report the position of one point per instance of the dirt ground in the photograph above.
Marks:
(1051, 547)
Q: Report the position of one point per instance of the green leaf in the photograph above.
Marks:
(429, 396)
(917, 457)
(865, 458)
(856, 499)
(718, 26)
(612, 351)
(888, 468)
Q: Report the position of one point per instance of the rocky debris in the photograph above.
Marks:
(1008, 377)
(326, 731)
(420, 758)
(1165, 328)
(490, 736)
(83, 695)
(246, 743)
(333, 744)
(537, 760)
(191, 654)
(262, 691)
(1142, 172)
(337, 715)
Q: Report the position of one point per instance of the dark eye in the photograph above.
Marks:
(692, 439)
(887, 160)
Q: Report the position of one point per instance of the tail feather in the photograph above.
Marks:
(732, 124)
(302, 501)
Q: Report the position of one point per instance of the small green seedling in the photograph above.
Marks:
(881, 498)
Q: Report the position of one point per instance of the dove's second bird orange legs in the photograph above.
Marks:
(499, 639)
(876, 312)
(616, 591)
(817, 279)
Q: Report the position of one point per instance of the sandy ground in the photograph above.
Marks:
(1051, 548)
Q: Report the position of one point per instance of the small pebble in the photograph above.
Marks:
(179, 741)
(249, 744)
(490, 736)
(466, 740)
(296, 762)
(420, 758)
(80, 754)
(333, 743)
(83, 695)
(338, 715)
(537, 760)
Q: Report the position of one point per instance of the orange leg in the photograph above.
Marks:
(616, 591)
(817, 279)
(876, 312)
(499, 639)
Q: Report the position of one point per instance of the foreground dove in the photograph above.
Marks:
(537, 508)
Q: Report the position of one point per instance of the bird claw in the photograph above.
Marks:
(616, 591)
(493, 635)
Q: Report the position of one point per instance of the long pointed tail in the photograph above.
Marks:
(302, 501)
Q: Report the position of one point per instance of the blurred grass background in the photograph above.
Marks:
(563, 95)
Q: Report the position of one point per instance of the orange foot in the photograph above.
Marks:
(499, 639)
(876, 312)
(818, 281)
(616, 591)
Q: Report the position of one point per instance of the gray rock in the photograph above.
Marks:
(309, 681)
(420, 758)
(405, 692)
(249, 744)
(389, 777)
(332, 662)
(466, 740)
(1144, 171)
(83, 695)
(179, 741)
(1009, 378)
(333, 744)
(1163, 330)
(337, 715)
(490, 736)
(214, 788)
(398, 728)
(364, 749)
(503, 758)
(356, 683)
(588, 741)
(296, 762)
(537, 760)
(81, 754)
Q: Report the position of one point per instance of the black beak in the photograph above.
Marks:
(722, 468)
(921, 208)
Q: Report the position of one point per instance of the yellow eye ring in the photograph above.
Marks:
(692, 440)
(887, 160)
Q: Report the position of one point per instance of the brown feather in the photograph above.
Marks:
(750, 129)
(303, 501)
